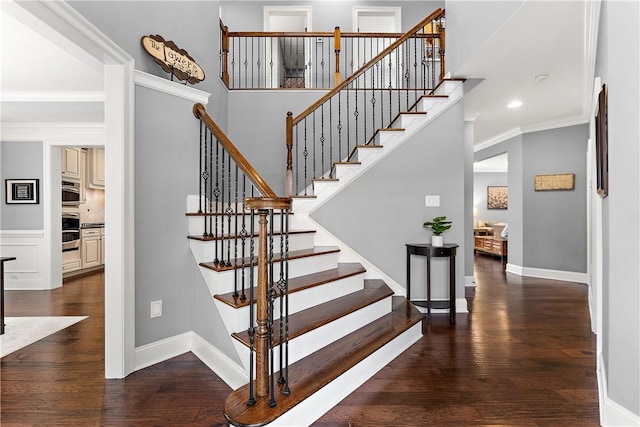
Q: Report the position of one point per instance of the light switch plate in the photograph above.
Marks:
(432, 201)
(156, 308)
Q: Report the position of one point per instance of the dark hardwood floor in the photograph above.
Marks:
(525, 356)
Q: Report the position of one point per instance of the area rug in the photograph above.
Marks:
(22, 331)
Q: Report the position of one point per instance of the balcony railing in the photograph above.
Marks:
(316, 60)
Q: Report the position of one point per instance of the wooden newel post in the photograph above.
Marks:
(225, 54)
(289, 136)
(336, 46)
(262, 310)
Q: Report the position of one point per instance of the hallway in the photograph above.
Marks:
(524, 356)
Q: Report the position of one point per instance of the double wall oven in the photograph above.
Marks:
(70, 229)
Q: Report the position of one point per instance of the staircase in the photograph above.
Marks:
(347, 319)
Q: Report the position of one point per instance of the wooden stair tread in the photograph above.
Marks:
(244, 262)
(325, 180)
(301, 283)
(312, 318)
(391, 130)
(310, 374)
(233, 236)
(347, 163)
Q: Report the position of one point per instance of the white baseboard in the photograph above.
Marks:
(611, 413)
(230, 372)
(542, 273)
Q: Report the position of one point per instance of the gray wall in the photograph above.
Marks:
(619, 69)
(556, 219)
(21, 160)
(326, 15)
(166, 140)
(257, 128)
(386, 203)
(192, 25)
(482, 180)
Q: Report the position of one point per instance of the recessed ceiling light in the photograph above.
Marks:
(514, 104)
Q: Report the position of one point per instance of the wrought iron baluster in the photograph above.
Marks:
(229, 212)
(313, 141)
(373, 104)
(322, 169)
(235, 241)
(271, 296)
(305, 153)
(246, 62)
(210, 194)
(200, 192)
(222, 191)
(331, 133)
(340, 126)
(243, 236)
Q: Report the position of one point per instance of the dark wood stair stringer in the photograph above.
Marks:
(309, 375)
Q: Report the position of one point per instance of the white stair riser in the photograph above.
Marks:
(319, 186)
(340, 170)
(304, 345)
(237, 319)
(221, 282)
(205, 251)
(407, 120)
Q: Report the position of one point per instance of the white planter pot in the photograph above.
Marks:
(437, 240)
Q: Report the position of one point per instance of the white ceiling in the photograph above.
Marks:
(44, 79)
(541, 37)
(497, 163)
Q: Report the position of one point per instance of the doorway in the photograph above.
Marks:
(292, 54)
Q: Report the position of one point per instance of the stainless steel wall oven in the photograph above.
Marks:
(70, 230)
(70, 193)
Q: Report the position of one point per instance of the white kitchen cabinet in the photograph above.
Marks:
(91, 247)
(96, 168)
(71, 261)
(71, 158)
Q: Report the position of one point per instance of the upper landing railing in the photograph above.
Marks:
(313, 60)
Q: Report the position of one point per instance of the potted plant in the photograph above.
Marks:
(438, 225)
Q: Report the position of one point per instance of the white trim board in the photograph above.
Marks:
(541, 273)
(229, 371)
(611, 413)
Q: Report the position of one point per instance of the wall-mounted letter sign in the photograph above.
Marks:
(172, 59)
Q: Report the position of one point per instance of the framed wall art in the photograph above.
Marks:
(22, 191)
(497, 197)
(602, 144)
(559, 181)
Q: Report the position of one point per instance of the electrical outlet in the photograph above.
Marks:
(432, 201)
(156, 308)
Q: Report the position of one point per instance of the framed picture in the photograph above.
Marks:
(22, 191)
(602, 144)
(497, 197)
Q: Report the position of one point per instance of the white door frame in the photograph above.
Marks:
(59, 19)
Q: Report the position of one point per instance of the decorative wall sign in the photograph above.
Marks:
(563, 181)
(497, 197)
(22, 191)
(172, 59)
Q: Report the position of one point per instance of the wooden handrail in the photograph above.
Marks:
(201, 113)
(321, 34)
(437, 13)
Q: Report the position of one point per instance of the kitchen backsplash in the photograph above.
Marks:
(93, 209)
